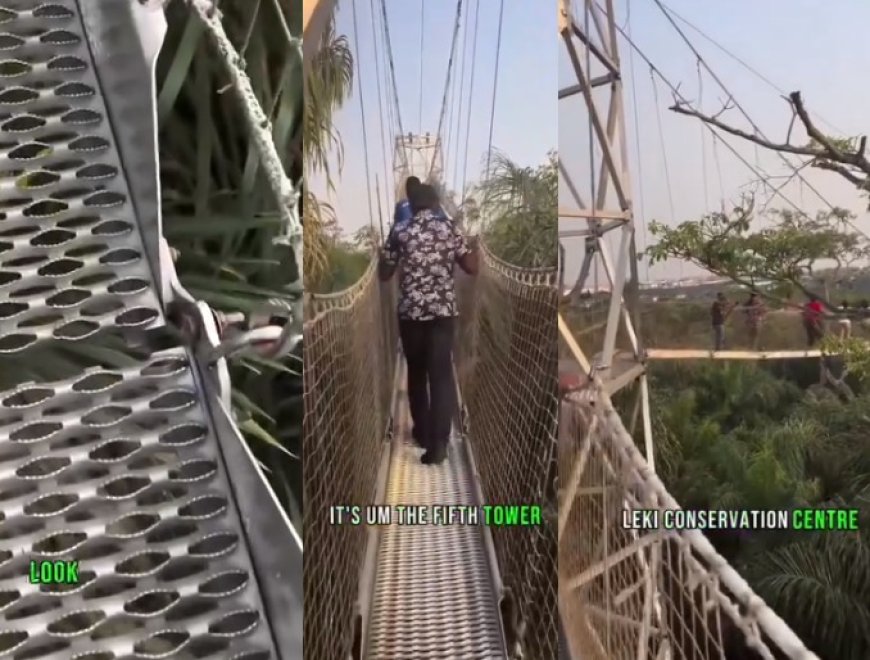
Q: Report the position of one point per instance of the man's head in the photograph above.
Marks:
(720, 297)
(411, 185)
(425, 199)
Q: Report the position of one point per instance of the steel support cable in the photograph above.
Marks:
(457, 179)
(715, 140)
(762, 176)
(443, 112)
(464, 179)
(703, 141)
(456, 112)
(362, 108)
(664, 153)
(395, 128)
(395, 88)
(261, 128)
(380, 101)
(755, 72)
(422, 59)
(494, 84)
(795, 170)
(590, 135)
(286, 194)
(636, 121)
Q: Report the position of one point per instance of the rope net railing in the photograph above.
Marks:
(349, 353)
(635, 594)
(506, 359)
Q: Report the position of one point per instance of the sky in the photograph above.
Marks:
(819, 48)
(526, 105)
(815, 47)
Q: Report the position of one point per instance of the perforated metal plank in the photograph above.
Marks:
(119, 470)
(433, 595)
(71, 254)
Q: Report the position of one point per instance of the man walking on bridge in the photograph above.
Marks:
(427, 247)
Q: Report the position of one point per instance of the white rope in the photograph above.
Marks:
(261, 129)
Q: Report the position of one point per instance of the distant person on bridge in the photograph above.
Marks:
(427, 247)
(405, 207)
(404, 210)
(813, 315)
(755, 312)
(719, 313)
(844, 322)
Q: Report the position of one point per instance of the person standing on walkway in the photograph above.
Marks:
(755, 312)
(719, 313)
(428, 247)
(813, 321)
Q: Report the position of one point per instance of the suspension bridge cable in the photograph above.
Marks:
(495, 84)
(443, 112)
(715, 140)
(470, 99)
(746, 115)
(448, 149)
(755, 72)
(703, 140)
(362, 107)
(459, 116)
(395, 88)
(380, 101)
(762, 176)
(636, 121)
(663, 144)
(395, 128)
(422, 59)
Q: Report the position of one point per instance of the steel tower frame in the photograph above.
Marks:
(605, 205)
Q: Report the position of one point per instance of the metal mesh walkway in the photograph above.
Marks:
(434, 595)
(118, 470)
(427, 591)
(128, 473)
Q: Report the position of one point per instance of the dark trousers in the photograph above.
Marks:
(814, 331)
(428, 347)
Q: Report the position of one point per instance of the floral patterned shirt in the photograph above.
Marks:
(427, 248)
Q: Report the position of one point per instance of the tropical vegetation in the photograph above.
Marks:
(740, 436)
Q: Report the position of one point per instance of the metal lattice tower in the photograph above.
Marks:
(604, 204)
(417, 155)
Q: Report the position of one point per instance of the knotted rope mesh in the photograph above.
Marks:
(507, 359)
(628, 594)
(349, 357)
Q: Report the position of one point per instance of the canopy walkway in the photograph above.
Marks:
(132, 470)
(433, 591)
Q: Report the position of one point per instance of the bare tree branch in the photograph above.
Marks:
(826, 153)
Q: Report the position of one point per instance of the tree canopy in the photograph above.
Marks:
(519, 205)
(785, 252)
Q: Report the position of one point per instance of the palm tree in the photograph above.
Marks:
(519, 209)
(739, 438)
(218, 211)
(327, 87)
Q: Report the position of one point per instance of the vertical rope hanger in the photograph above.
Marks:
(383, 134)
(464, 180)
(663, 145)
(453, 119)
(362, 107)
(703, 141)
(636, 121)
(422, 57)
